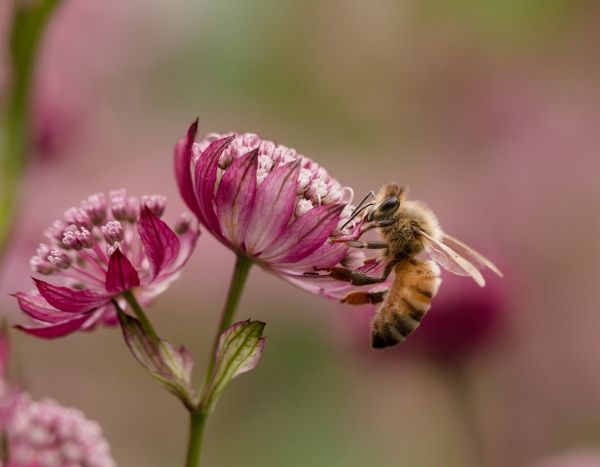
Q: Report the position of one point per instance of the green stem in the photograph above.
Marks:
(459, 384)
(197, 423)
(141, 316)
(28, 24)
(199, 416)
(236, 286)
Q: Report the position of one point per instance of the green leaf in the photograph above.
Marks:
(170, 367)
(240, 347)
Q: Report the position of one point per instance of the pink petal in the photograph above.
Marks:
(59, 329)
(160, 242)
(235, 197)
(183, 172)
(273, 207)
(71, 300)
(121, 274)
(326, 256)
(303, 236)
(38, 308)
(187, 244)
(206, 177)
(322, 286)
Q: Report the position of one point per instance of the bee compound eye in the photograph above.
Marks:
(389, 203)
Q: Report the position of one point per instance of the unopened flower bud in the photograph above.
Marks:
(78, 217)
(133, 209)
(95, 207)
(156, 203)
(59, 259)
(41, 266)
(112, 232)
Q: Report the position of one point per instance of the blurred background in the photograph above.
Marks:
(488, 111)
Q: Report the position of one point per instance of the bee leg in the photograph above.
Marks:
(360, 278)
(362, 298)
(370, 245)
(359, 231)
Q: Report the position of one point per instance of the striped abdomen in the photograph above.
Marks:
(407, 301)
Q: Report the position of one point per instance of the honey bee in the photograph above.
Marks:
(413, 246)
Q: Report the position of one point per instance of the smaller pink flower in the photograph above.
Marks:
(96, 252)
(44, 433)
(583, 457)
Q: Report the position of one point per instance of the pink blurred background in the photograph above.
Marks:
(489, 111)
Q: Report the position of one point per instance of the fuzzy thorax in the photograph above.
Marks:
(403, 236)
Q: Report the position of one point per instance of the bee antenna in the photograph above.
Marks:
(355, 213)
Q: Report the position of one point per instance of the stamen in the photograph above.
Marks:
(317, 190)
(303, 206)
(356, 212)
(304, 179)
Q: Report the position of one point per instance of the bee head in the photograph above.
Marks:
(390, 198)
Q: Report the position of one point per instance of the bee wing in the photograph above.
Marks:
(480, 261)
(450, 260)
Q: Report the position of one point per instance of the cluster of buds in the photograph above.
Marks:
(99, 250)
(45, 433)
(80, 243)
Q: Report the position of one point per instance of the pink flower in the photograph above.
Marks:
(98, 251)
(583, 457)
(43, 434)
(271, 204)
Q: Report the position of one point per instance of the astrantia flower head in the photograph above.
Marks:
(45, 433)
(269, 203)
(98, 251)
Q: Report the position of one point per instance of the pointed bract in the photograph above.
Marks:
(183, 174)
(71, 300)
(121, 275)
(273, 207)
(239, 350)
(235, 197)
(160, 242)
(305, 235)
(56, 329)
(205, 178)
(171, 368)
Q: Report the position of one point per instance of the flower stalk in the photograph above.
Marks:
(198, 417)
(29, 23)
(236, 287)
(141, 315)
(197, 424)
